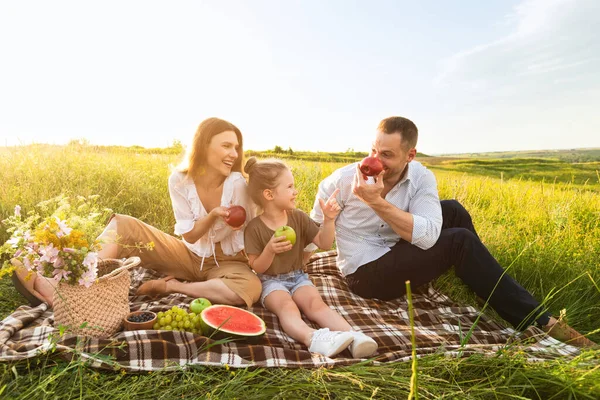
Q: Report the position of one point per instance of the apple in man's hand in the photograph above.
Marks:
(371, 166)
(288, 232)
(197, 305)
(237, 216)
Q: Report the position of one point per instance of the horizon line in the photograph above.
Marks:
(308, 151)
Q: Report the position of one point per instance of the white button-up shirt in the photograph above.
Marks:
(361, 235)
(188, 209)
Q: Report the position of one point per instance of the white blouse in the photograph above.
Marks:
(188, 209)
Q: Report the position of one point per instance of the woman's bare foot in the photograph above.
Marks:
(155, 287)
(45, 287)
(32, 285)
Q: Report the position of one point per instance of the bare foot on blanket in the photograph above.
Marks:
(157, 287)
(45, 286)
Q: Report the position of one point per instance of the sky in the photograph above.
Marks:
(474, 76)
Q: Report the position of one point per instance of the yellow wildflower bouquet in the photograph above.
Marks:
(57, 239)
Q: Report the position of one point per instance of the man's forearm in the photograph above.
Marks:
(400, 221)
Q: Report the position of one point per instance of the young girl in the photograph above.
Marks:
(287, 290)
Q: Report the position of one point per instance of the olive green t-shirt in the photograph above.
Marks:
(257, 235)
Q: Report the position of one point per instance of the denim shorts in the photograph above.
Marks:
(289, 282)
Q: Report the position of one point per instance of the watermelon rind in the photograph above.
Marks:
(220, 326)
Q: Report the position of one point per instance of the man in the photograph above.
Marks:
(396, 229)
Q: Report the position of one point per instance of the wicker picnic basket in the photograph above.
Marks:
(100, 309)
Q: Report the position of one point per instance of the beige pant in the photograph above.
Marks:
(171, 256)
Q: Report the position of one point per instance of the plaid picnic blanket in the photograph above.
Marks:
(441, 326)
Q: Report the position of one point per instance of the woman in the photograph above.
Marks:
(211, 255)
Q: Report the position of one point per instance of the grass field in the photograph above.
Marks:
(546, 228)
(583, 175)
(568, 155)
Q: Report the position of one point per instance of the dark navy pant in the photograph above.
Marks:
(458, 246)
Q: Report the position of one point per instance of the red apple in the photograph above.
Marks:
(371, 166)
(237, 216)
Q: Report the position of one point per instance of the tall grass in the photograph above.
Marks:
(550, 233)
(554, 227)
(475, 377)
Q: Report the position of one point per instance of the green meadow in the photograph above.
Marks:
(583, 175)
(539, 216)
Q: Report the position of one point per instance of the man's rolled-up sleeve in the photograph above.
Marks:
(427, 212)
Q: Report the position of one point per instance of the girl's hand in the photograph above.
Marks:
(330, 208)
(279, 244)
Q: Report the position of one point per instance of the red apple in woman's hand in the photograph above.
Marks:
(371, 166)
(237, 216)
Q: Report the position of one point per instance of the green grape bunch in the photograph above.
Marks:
(178, 319)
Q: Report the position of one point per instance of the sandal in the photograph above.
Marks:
(154, 288)
(24, 281)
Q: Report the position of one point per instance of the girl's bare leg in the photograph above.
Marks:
(281, 304)
(311, 304)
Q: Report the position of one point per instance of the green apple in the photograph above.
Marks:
(197, 305)
(288, 232)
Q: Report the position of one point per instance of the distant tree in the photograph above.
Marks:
(290, 151)
(176, 146)
(81, 142)
(277, 149)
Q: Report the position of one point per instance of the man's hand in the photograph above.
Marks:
(330, 208)
(278, 245)
(366, 192)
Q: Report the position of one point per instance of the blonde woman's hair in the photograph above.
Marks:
(263, 175)
(194, 162)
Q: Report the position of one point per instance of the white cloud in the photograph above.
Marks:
(550, 42)
(538, 86)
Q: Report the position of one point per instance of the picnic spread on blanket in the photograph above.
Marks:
(440, 327)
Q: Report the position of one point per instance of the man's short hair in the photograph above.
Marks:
(404, 126)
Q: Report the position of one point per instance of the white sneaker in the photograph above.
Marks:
(329, 343)
(362, 346)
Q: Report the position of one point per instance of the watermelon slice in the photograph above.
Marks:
(233, 322)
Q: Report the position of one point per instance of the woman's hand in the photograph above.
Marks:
(203, 226)
(223, 212)
(217, 212)
(330, 208)
(279, 244)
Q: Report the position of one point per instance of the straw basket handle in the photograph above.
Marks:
(127, 264)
